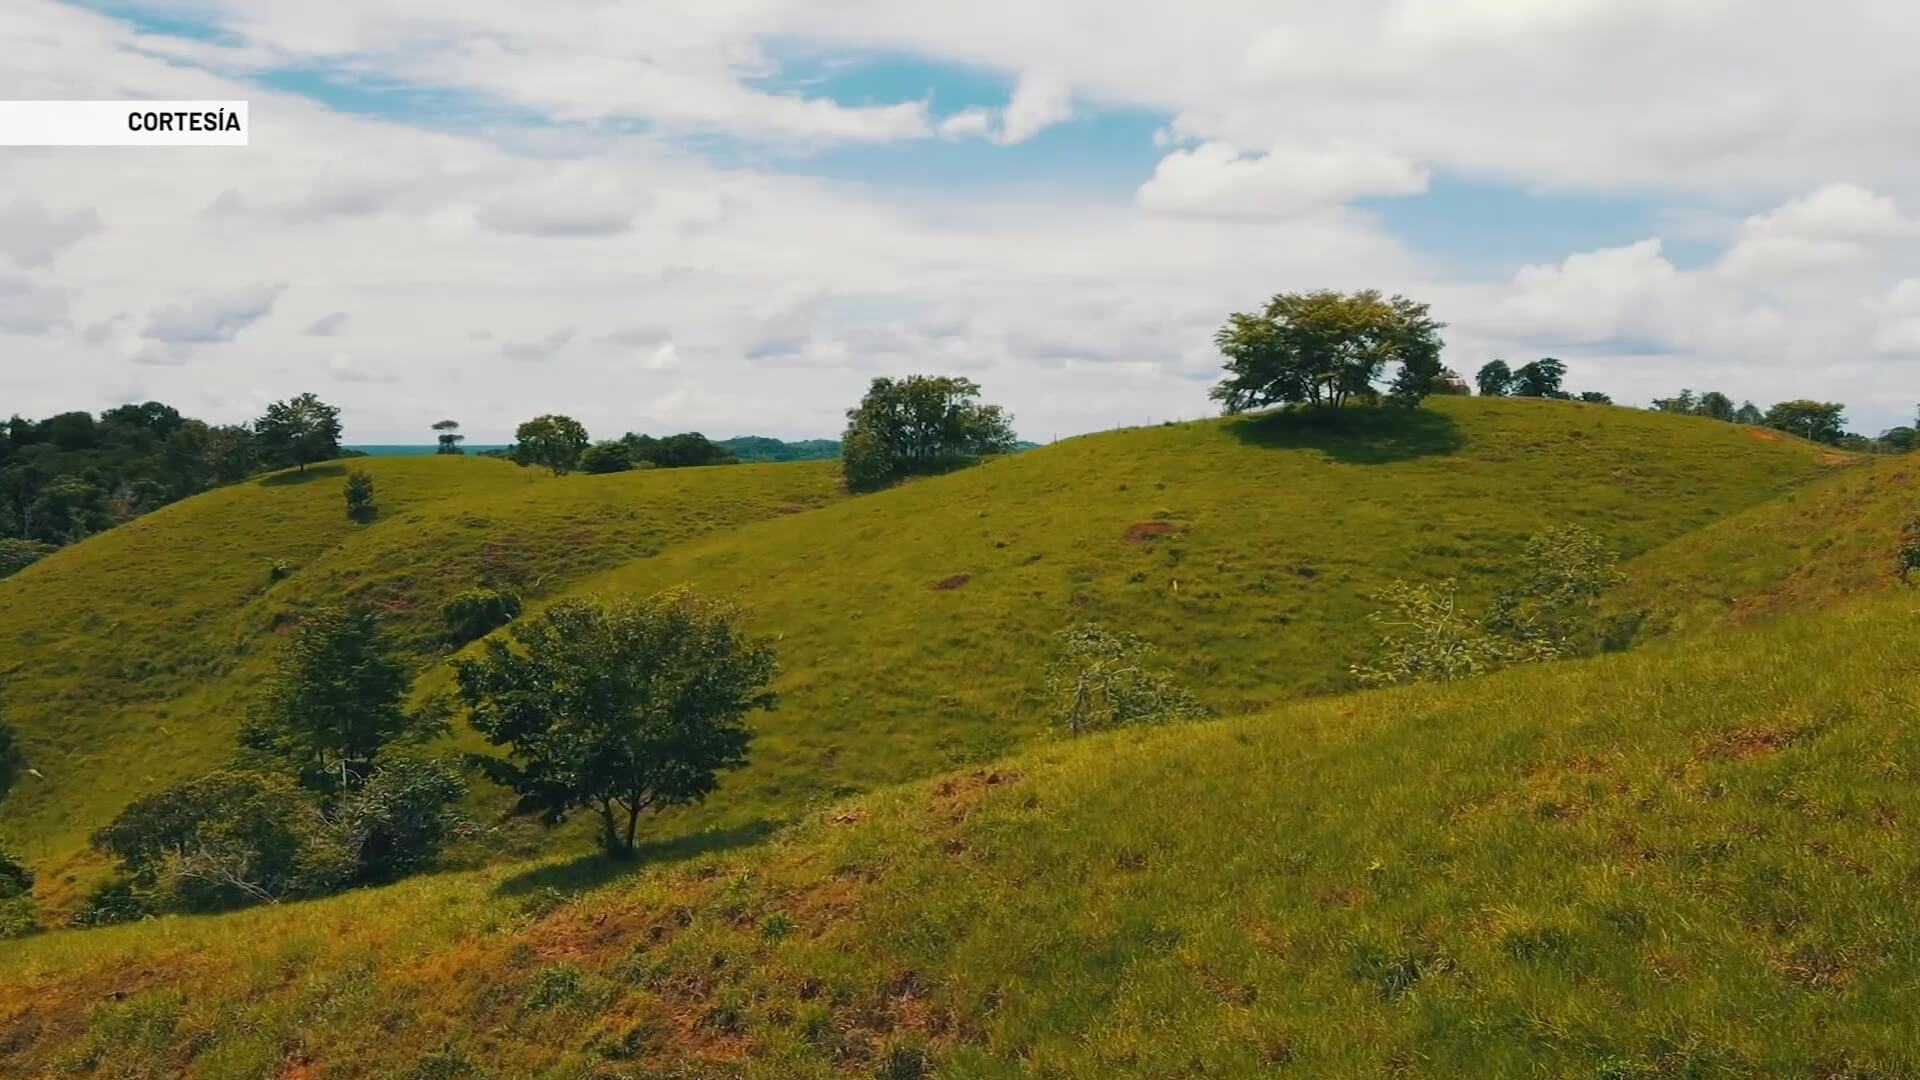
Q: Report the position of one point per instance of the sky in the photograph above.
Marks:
(730, 215)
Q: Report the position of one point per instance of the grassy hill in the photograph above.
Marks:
(1687, 861)
(128, 660)
(914, 624)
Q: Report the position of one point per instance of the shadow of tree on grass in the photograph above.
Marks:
(295, 476)
(1355, 435)
(595, 869)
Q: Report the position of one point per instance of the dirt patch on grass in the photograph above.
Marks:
(1742, 744)
(1147, 530)
(953, 582)
(955, 797)
(1764, 435)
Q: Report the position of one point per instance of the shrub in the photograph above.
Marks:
(17, 918)
(16, 554)
(279, 570)
(1428, 637)
(1907, 555)
(1098, 682)
(1564, 571)
(359, 492)
(475, 613)
(112, 903)
(607, 457)
(225, 840)
(398, 820)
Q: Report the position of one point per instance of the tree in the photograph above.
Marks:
(1820, 421)
(607, 457)
(299, 431)
(1715, 404)
(1898, 440)
(553, 441)
(1540, 379)
(1495, 379)
(1595, 397)
(233, 452)
(618, 708)
(1099, 682)
(919, 424)
(335, 701)
(448, 434)
(225, 840)
(359, 491)
(1324, 348)
(1682, 404)
(17, 555)
(1748, 413)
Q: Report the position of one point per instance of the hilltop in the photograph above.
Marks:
(914, 624)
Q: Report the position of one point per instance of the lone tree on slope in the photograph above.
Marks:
(1324, 348)
(299, 431)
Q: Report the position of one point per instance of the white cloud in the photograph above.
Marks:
(1040, 100)
(974, 121)
(663, 358)
(33, 236)
(344, 368)
(212, 317)
(1215, 180)
(1834, 225)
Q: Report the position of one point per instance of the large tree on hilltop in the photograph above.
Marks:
(299, 431)
(1325, 348)
(919, 424)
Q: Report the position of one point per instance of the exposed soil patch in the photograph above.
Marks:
(1764, 435)
(1751, 742)
(953, 582)
(1146, 530)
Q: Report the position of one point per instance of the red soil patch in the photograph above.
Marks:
(953, 582)
(1763, 434)
(1146, 530)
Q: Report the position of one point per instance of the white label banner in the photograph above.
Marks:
(123, 123)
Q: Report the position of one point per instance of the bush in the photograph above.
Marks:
(17, 918)
(359, 491)
(16, 555)
(1550, 612)
(475, 613)
(1099, 683)
(398, 820)
(607, 457)
(226, 840)
(112, 903)
(1428, 637)
(1907, 555)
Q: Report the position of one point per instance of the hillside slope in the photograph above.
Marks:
(127, 660)
(915, 624)
(1683, 862)
(1819, 544)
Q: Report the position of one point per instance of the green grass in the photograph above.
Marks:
(128, 660)
(1686, 861)
(914, 624)
(1280, 534)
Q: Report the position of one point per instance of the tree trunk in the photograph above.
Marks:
(611, 839)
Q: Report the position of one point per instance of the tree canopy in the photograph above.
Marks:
(335, 702)
(553, 441)
(1326, 348)
(618, 708)
(299, 431)
(1539, 379)
(1820, 421)
(919, 424)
